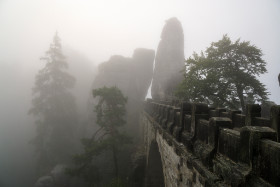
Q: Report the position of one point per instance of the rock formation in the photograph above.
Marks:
(132, 76)
(169, 61)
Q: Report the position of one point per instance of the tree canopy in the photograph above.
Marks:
(225, 75)
(54, 107)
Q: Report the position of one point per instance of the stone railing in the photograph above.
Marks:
(240, 149)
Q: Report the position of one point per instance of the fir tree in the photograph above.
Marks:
(54, 107)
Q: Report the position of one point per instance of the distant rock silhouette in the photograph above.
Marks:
(132, 76)
(169, 61)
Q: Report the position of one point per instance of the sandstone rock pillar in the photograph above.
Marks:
(169, 61)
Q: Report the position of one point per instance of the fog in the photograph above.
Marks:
(93, 31)
(99, 29)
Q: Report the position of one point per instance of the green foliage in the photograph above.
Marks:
(225, 75)
(110, 109)
(54, 107)
(110, 112)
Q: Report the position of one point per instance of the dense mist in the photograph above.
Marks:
(91, 33)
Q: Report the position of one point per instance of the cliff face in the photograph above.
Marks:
(84, 71)
(132, 76)
(169, 61)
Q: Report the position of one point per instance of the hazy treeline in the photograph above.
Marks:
(17, 157)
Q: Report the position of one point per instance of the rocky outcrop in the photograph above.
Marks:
(169, 61)
(58, 178)
(132, 76)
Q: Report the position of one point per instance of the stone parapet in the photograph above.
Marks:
(236, 149)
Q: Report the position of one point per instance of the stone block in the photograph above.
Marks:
(194, 124)
(232, 173)
(229, 143)
(159, 113)
(186, 136)
(178, 128)
(204, 152)
(215, 124)
(187, 123)
(187, 140)
(262, 122)
(270, 161)
(162, 114)
(238, 120)
(202, 130)
(186, 108)
(252, 111)
(275, 119)
(206, 177)
(199, 111)
(171, 119)
(166, 116)
(232, 114)
(250, 137)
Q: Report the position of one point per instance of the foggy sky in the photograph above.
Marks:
(99, 29)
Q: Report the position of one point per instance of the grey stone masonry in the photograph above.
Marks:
(199, 146)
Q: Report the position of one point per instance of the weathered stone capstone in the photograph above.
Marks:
(169, 61)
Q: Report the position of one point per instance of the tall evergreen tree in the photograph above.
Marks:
(55, 109)
(110, 112)
(225, 75)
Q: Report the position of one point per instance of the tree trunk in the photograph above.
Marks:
(241, 97)
(115, 161)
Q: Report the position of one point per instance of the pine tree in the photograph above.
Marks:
(110, 112)
(54, 107)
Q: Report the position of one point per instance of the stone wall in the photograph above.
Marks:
(200, 146)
